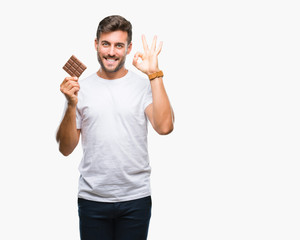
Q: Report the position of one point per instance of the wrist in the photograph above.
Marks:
(152, 71)
(72, 104)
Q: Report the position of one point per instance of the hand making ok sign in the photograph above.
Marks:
(149, 59)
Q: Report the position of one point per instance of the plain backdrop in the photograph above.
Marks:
(229, 170)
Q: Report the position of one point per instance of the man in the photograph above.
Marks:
(109, 109)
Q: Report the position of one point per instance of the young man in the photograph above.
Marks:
(109, 109)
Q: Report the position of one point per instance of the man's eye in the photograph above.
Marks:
(119, 45)
(104, 44)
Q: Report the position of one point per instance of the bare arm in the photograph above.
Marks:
(68, 135)
(160, 112)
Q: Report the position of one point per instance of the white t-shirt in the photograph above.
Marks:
(111, 115)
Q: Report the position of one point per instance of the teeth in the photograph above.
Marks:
(110, 60)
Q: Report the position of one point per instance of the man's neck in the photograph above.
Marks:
(112, 75)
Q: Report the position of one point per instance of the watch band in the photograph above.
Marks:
(155, 75)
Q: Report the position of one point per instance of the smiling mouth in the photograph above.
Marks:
(111, 60)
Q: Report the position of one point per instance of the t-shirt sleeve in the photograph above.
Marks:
(78, 118)
(148, 96)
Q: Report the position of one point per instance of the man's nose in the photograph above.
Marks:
(111, 51)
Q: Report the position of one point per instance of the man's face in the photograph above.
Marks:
(112, 49)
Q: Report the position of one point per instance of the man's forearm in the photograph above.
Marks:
(162, 110)
(67, 135)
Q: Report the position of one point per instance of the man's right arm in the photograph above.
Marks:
(68, 135)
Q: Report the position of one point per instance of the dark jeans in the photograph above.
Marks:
(127, 220)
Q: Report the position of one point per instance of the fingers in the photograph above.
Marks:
(75, 90)
(153, 46)
(145, 45)
(136, 58)
(67, 79)
(158, 50)
(72, 78)
(138, 55)
(70, 86)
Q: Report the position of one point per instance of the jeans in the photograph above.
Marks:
(127, 220)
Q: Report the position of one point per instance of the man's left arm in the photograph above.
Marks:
(159, 112)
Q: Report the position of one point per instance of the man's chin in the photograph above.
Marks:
(111, 69)
(108, 69)
(114, 69)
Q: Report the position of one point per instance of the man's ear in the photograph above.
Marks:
(96, 44)
(129, 48)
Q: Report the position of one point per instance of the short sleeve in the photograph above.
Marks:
(78, 118)
(147, 96)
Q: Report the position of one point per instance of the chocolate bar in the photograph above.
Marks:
(74, 67)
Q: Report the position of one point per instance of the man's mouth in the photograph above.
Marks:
(110, 60)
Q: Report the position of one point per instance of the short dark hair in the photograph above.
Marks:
(115, 23)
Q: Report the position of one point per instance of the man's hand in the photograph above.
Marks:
(149, 63)
(70, 88)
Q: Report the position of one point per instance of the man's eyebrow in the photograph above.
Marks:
(117, 43)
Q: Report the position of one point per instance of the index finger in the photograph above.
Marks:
(145, 45)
